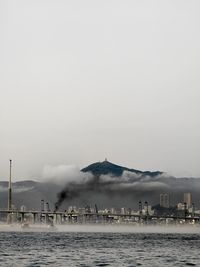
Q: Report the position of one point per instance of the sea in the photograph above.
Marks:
(90, 246)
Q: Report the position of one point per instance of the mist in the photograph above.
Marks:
(129, 188)
(63, 174)
(69, 186)
(94, 228)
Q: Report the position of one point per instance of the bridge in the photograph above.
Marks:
(61, 217)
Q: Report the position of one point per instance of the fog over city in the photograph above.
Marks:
(82, 81)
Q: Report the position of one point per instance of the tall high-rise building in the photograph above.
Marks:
(187, 198)
(164, 200)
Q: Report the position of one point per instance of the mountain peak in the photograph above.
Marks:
(108, 168)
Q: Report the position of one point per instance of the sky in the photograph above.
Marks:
(81, 81)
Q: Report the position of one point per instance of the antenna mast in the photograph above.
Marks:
(10, 188)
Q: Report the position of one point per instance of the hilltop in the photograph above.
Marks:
(109, 168)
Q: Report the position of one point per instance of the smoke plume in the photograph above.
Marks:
(127, 184)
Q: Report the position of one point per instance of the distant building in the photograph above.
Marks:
(72, 209)
(123, 211)
(81, 210)
(87, 209)
(180, 206)
(187, 198)
(113, 211)
(23, 208)
(164, 200)
(147, 210)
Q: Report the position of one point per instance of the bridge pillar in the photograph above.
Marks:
(34, 217)
(55, 218)
(9, 218)
(193, 210)
(69, 218)
(46, 218)
(140, 211)
(22, 217)
(185, 210)
(58, 218)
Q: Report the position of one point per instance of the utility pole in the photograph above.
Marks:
(10, 188)
(9, 215)
(140, 211)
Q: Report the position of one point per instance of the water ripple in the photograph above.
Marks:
(98, 249)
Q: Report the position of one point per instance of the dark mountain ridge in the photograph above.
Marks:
(108, 168)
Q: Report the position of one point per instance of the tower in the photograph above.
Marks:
(187, 198)
(164, 200)
(9, 215)
(10, 187)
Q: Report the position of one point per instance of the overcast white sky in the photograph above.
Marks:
(85, 80)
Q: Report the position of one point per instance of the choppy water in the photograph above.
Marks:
(99, 249)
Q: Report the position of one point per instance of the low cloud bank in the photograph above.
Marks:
(77, 183)
(63, 174)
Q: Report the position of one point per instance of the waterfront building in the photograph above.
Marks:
(123, 211)
(23, 208)
(147, 210)
(113, 211)
(180, 206)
